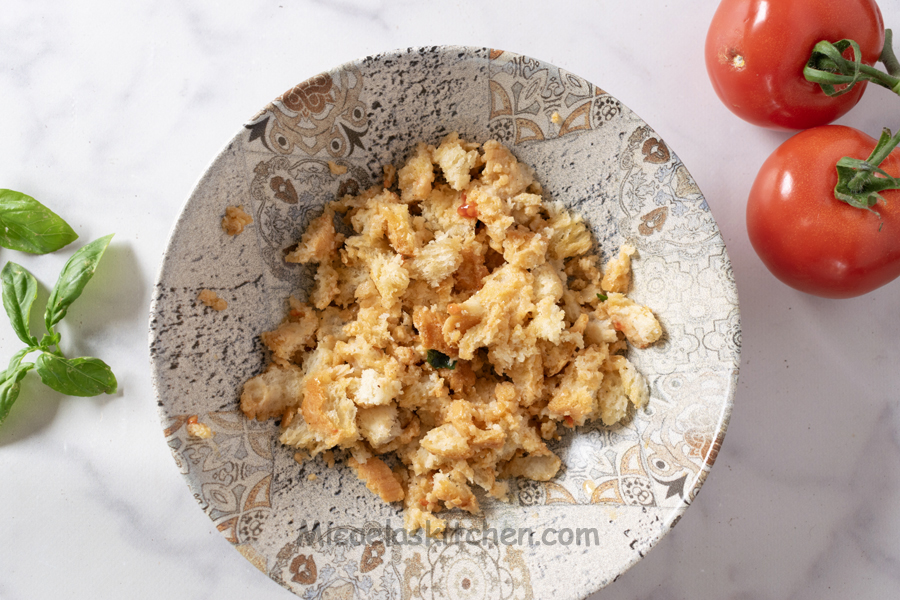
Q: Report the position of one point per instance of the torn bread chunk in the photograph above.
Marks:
(378, 478)
(637, 322)
(456, 160)
(212, 300)
(378, 424)
(463, 322)
(269, 394)
(417, 175)
(318, 243)
(617, 277)
(235, 220)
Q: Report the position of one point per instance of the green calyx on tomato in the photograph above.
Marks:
(861, 181)
(828, 67)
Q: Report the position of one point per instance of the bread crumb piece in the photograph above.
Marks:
(617, 277)
(197, 429)
(417, 175)
(378, 477)
(210, 299)
(235, 220)
(390, 176)
(336, 169)
(318, 242)
(555, 118)
(312, 477)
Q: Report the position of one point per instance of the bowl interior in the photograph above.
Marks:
(620, 488)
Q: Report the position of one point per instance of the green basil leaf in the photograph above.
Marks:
(439, 360)
(19, 292)
(9, 386)
(14, 361)
(29, 226)
(74, 276)
(77, 376)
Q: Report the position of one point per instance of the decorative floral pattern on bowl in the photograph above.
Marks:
(318, 531)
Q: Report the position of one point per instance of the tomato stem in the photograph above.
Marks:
(860, 181)
(828, 67)
(887, 55)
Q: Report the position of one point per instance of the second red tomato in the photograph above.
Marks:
(805, 236)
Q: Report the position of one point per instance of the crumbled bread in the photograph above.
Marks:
(327, 286)
(268, 395)
(446, 442)
(212, 300)
(390, 278)
(290, 338)
(617, 277)
(235, 220)
(417, 175)
(538, 468)
(198, 430)
(318, 243)
(375, 389)
(400, 231)
(525, 249)
(389, 176)
(336, 169)
(456, 161)
(507, 176)
(378, 478)
(438, 260)
(570, 235)
(472, 271)
(429, 322)
(576, 394)
(379, 424)
(637, 322)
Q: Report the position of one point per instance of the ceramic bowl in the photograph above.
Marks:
(620, 488)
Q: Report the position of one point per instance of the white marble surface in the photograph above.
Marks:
(109, 113)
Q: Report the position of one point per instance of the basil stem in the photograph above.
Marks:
(888, 58)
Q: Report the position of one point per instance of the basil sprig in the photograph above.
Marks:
(84, 376)
(29, 226)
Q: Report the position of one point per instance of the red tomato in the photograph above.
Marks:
(805, 236)
(756, 51)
